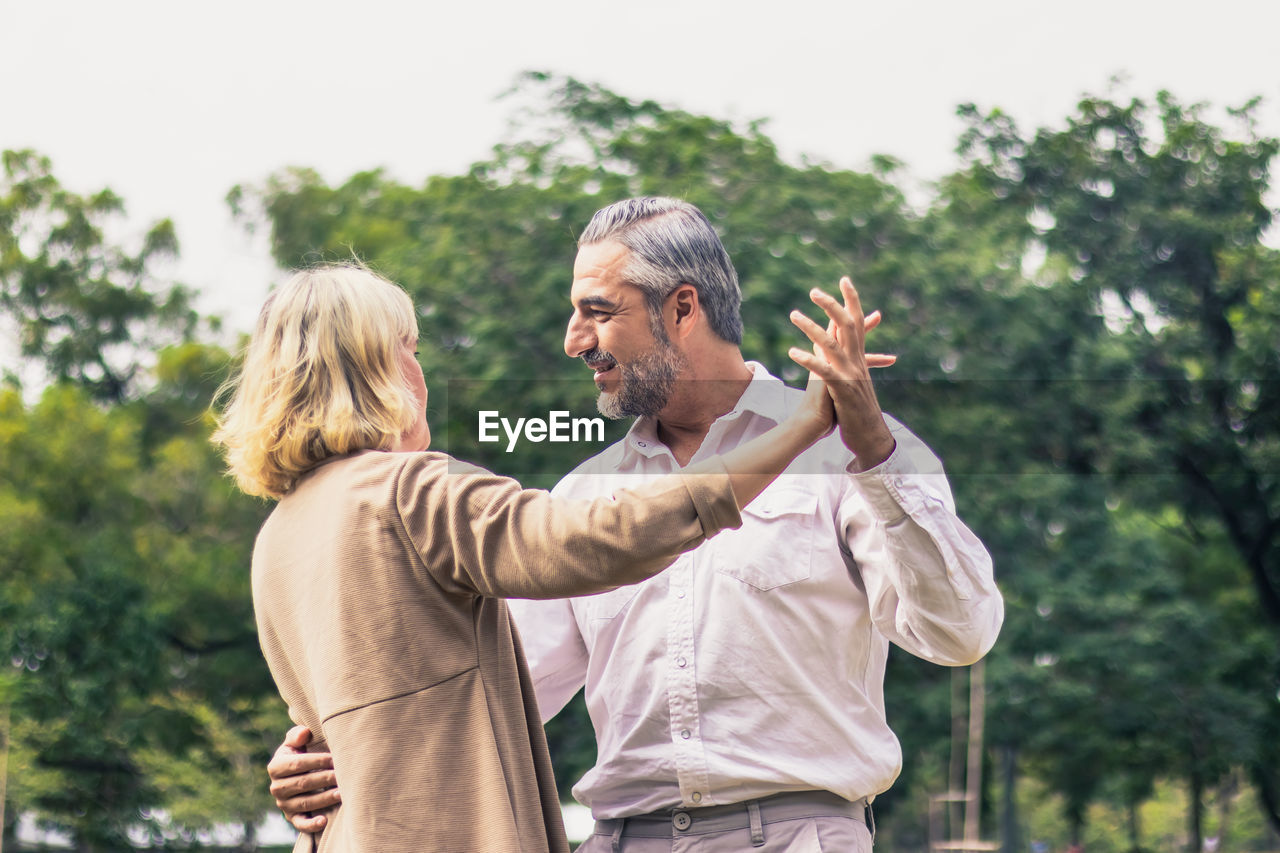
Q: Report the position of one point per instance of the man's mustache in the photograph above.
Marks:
(598, 356)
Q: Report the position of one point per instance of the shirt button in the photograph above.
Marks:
(686, 734)
(680, 662)
(680, 594)
(681, 820)
(642, 444)
(697, 797)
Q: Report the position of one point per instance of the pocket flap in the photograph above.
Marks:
(778, 502)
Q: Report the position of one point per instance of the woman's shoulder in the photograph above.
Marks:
(374, 466)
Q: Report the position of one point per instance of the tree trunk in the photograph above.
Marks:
(1075, 827)
(1196, 809)
(4, 765)
(959, 733)
(1010, 842)
(1226, 802)
(1268, 790)
(973, 769)
(249, 843)
(1135, 826)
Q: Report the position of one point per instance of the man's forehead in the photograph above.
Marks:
(597, 275)
(605, 258)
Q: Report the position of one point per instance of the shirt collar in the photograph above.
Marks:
(766, 396)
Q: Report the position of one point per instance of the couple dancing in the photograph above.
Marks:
(734, 678)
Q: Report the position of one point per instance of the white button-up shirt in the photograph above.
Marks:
(755, 663)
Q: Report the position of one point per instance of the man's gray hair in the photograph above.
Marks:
(672, 243)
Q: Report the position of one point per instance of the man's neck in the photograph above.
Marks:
(701, 396)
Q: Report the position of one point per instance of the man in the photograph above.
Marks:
(737, 697)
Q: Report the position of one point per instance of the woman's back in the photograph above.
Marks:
(367, 642)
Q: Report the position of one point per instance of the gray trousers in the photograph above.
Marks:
(794, 822)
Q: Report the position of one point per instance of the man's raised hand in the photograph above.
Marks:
(840, 358)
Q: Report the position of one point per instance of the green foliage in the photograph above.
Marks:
(73, 620)
(1150, 287)
(1159, 241)
(125, 549)
(82, 307)
(126, 586)
(217, 777)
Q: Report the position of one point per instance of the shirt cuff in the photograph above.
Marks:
(882, 485)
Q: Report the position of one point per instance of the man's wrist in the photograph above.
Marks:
(872, 453)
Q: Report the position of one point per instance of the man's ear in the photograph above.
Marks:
(687, 309)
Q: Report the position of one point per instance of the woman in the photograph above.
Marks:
(378, 578)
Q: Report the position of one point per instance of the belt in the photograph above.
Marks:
(752, 814)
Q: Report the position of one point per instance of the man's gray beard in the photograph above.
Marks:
(645, 385)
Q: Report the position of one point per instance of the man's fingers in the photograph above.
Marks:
(835, 310)
(293, 806)
(284, 763)
(820, 337)
(303, 782)
(816, 365)
(298, 737)
(814, 332)
(852, 303)
(295, 786)
(822, 368)
(841, 342)
(302, 823)
(852, 306)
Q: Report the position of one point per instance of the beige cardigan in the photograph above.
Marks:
(378, 586)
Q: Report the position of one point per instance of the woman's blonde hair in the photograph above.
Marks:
(320, 378)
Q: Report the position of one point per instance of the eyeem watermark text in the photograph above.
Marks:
(558, 427)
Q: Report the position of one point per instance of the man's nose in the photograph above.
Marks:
(577, 338)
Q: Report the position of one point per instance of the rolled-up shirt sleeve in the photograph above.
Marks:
(929, 580)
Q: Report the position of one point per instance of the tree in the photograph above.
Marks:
(83, 308)
(1169, 295)
(124, 607)
(194, 543)
(75, 626)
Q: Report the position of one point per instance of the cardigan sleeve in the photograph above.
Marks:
(483, 533)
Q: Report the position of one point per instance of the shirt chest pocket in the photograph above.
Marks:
(774, 546)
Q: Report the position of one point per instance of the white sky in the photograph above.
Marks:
(171, 103)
